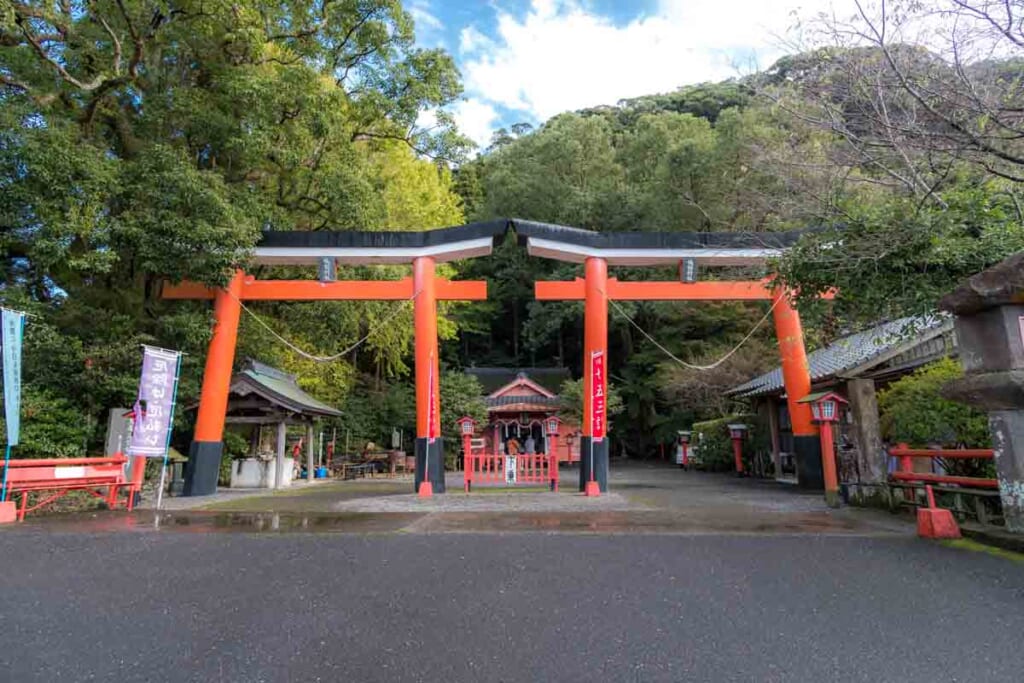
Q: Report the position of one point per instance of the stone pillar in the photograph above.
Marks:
(990, 330)
(1007, 428)
(872, 464)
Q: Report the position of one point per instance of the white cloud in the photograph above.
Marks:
(476, 119)
(424, 18)
(472, 40)
(562, 57)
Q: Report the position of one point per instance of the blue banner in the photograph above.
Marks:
(13, 323)
(154, 407)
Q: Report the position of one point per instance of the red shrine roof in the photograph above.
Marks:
(519, 392)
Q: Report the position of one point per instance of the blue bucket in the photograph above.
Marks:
(320, 473)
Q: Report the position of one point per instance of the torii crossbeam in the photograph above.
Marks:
(423, 250)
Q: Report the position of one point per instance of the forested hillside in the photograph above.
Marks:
(141, 141)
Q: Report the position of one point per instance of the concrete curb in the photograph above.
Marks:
(994, 537)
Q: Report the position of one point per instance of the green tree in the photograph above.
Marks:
(142, 141)
(899, 258)
(461, 396)
(571, 395)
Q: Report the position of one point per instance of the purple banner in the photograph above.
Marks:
(154, 408)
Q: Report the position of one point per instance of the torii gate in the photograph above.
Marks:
(423, 250)
(687, 250)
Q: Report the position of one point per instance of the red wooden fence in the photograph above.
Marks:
(904, 454)
(489, 470)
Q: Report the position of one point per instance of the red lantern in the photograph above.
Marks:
(825, 409)
(737, 432)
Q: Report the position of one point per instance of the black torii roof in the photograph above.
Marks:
(548, 240)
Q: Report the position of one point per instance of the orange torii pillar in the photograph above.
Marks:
(796, 375)
(424, 288)
(429, 443)
(595, 339)
(203, 467)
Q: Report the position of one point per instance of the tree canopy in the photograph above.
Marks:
(149, 141)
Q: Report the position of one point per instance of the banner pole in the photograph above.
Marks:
(7, 448)
(7, 462)
(170, 430)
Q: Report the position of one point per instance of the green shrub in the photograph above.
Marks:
(913, 411)
(235, 446)
(51, 426)
(713, 446)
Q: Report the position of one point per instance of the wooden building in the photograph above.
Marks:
(519, 402)
(855, 367)
(262, 396)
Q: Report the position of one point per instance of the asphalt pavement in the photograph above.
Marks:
(402, 606)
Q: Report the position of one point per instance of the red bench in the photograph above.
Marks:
(59, 476)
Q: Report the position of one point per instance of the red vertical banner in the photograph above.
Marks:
(598, 394)
(431, 404)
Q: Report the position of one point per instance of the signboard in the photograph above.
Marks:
(598, 391)
(154, 408)
(13, 330)
(431, 404)
(510, 469)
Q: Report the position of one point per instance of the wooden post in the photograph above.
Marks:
(310, 459)
(282, 434)
(773, 429)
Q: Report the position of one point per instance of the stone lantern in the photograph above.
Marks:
(989, 309)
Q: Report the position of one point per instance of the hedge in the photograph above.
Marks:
(712, 445)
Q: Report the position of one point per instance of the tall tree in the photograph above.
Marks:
(145, 140)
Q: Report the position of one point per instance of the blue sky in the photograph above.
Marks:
(527, 60)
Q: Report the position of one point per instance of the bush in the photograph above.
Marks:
(51, 426)
(712, 447)
(235, 446)
(913, 411)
